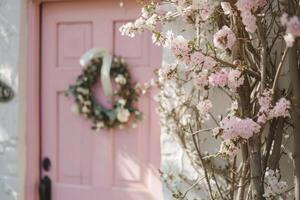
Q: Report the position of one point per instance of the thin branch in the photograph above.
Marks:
(202, 130)
(218, 187)
(190, 188)
(279, 68)
(202, 163)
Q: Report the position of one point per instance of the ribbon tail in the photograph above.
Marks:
(105, 75)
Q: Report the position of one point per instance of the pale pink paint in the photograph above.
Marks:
(110, 165)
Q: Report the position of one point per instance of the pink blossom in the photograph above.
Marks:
(235, 80)
(180, 49)
(275, 187)
(199, 59)
(224, 38)
(292, 29)
(250, 5)
(229, 148)
(265, 100)
(130, 29)
(249, 20)
(204, 7)
(219, 78)
(201, 80)
(247, 7)
(262, 118)
(281, 109)
(261, 3)
(204, 106)
(284, 19)
(234, 127)
(209, 63)
(293, 26)
(206, 12)
(267, 111)
(289, 40)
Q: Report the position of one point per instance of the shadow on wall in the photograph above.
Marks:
(9, 44)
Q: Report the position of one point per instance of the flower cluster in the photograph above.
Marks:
(219, 78)
(281, 109)
(247, 8)
(148, 20)
(235, 79)
(204, 8)
(267, 111)
(292, 28)
(229, 148)
(205, 65)
(204, 107)
(274, 186)
(198, 59)
(234, 127)
(224, 38)
(232, 79)
(179, 48)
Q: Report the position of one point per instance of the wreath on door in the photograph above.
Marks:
(123, 97)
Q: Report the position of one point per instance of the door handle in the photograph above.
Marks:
(45, 188)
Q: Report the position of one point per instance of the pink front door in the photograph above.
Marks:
(86, 165)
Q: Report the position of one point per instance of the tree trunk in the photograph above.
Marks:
(254, 145)
(275, 157)
(295, 78)
(245, 167)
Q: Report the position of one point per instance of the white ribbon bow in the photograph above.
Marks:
(94, 53)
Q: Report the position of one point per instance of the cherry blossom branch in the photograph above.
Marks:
(240, 60)
(250, 72)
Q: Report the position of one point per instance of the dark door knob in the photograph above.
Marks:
(46, 164)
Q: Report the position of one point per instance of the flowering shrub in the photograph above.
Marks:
(239, 48)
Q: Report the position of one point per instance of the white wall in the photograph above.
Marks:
(9, 50)
(173, 159)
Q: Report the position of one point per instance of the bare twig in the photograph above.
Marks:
(279, 68)
(202, 163)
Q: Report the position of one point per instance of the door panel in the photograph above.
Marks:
(110, 165)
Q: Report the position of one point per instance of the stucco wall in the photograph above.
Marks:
(9, 53)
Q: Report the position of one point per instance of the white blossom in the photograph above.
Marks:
(123, 115)
(120, 79)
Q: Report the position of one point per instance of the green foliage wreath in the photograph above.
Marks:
(125, 95)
